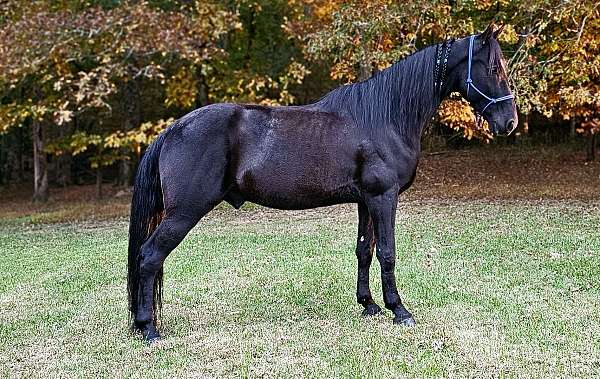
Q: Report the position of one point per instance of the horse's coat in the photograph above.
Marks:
(359, 144)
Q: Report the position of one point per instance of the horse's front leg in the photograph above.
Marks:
(382, 208)
(365, 243)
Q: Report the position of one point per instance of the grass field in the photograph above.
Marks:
(498, 290)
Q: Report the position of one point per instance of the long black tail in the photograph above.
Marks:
(146, 213)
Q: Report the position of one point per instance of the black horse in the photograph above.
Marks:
(358, 144)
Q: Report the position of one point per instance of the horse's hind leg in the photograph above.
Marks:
(169, 233)
(365, 244)
(193, 202)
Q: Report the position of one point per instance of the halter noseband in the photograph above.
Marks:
(470, 82)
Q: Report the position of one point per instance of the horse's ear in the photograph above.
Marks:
(488, 33)
(498, 31)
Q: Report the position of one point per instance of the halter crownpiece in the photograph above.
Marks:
(470, 81)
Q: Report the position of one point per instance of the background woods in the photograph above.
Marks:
(86, 85)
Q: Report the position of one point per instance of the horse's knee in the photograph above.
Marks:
(364, 253)
(364, 257)
(387, 260)
(143, 318)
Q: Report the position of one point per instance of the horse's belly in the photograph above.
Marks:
(296, 190)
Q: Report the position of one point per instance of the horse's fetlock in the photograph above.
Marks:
(143, 320)
(364, 298)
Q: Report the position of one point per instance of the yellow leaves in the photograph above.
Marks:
(343, 71)
(63, 116)
(136, 138)
(373, 33)
(81, 141)
(295, 72)
(38, 112)
(387, 44)
(509, 35)
(590, 125)
(458, 115)
(182, 88)
(582, 102)
(322, 10)
(483, 5)
(245, 86)
(13, 115)
(92, 88)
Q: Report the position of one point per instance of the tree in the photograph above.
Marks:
(58, 64)
(100, 78)
(552, 47)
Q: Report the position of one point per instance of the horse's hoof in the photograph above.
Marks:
(152, 341)
(371, 310)
(151, 337)
(409, 321)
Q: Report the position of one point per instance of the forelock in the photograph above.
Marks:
(496, 59)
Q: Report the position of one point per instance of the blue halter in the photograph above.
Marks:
(470, 82)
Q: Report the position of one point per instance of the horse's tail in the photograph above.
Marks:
(146, 213)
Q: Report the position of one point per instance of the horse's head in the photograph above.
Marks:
(479, 74)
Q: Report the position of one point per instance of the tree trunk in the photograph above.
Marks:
(20, 158)
(202, 98)
(591, 147)
(365, 69)
(5, 167)
(124, 173)
(132, 119)
(526, 124)
(99, 182)
(40, 164)
(63, 170)
(572, 128)
(63, 161)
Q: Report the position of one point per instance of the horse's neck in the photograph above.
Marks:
(401, 97)
(412, 81)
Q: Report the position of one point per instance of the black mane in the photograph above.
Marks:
(401, 95)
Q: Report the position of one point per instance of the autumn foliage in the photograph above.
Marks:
(101, 78)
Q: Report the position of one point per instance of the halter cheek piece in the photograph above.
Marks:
(470, 81)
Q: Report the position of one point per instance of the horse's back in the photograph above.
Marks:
(283, 157)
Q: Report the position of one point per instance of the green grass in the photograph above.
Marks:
(498, 290)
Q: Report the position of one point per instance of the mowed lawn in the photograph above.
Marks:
(498, 290)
